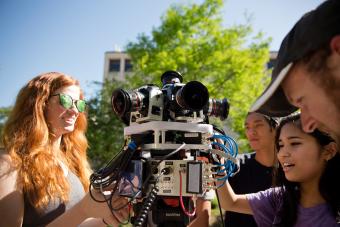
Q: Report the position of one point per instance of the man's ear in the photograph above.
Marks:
(330, 151)
(335, 44)
(334, 59)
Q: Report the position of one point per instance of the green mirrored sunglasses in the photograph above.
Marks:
(67, 102)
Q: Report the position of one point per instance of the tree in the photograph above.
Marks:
(4, 112)
(105, 130)
(192, 40)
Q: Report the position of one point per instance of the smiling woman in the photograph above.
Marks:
(62, 111)
(306, 193)
(309, 165)
(44, 171)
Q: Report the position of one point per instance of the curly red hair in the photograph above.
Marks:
(27, 139)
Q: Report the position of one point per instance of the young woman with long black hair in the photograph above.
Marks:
(306, 192)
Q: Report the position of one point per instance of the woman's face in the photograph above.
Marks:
(60, 119)
(300, 155)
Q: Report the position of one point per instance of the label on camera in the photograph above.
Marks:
(191, 134)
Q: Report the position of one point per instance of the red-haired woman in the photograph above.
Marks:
(44, 172)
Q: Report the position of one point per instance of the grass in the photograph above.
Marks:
(215, 219)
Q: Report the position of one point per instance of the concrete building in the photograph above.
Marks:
(272, 59)
(118, 64)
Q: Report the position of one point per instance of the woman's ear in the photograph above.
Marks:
(330, 151)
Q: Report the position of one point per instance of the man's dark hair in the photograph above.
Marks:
(272, 122)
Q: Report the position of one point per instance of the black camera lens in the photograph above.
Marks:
(217, 108)
(125, 101)
(192, 96)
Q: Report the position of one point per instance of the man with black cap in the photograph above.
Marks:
(307, 72)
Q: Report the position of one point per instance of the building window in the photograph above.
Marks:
(114, 65)
(128, 65)
(271, 63)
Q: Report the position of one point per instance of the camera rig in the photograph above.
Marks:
(172, 152)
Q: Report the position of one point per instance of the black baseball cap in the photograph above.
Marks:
(314, 30)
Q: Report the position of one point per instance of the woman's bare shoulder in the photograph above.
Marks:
(6, 164)
(11, 196)
(8, 172)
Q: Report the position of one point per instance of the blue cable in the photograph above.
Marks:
(232, 150)
(132, 145)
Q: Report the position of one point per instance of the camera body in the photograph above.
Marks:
(173, 160)
(175, 101)
(161, 138)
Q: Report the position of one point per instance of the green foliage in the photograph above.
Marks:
(4, 113)
(214, 203)
(192, 40)
(105, 130)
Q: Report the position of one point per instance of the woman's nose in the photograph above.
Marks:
(283, 153)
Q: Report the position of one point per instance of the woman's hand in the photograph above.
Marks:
(92, 208)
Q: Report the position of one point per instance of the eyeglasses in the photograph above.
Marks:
(67, 102)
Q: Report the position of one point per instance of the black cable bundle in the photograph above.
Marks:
(108, 177)
(112, 172)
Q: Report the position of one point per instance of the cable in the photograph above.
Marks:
(186, 212)
(219, 130)
(110, 176)
(170, 154)
(229, 153)
(159, 162)
(113, 170)
(219, 206)
(147, 204)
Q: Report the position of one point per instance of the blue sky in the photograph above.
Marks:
(71, 36)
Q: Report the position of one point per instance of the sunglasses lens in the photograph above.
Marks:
(81, 105)
(65, 101)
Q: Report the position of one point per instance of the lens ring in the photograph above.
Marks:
(193, 96)
(120, 102)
